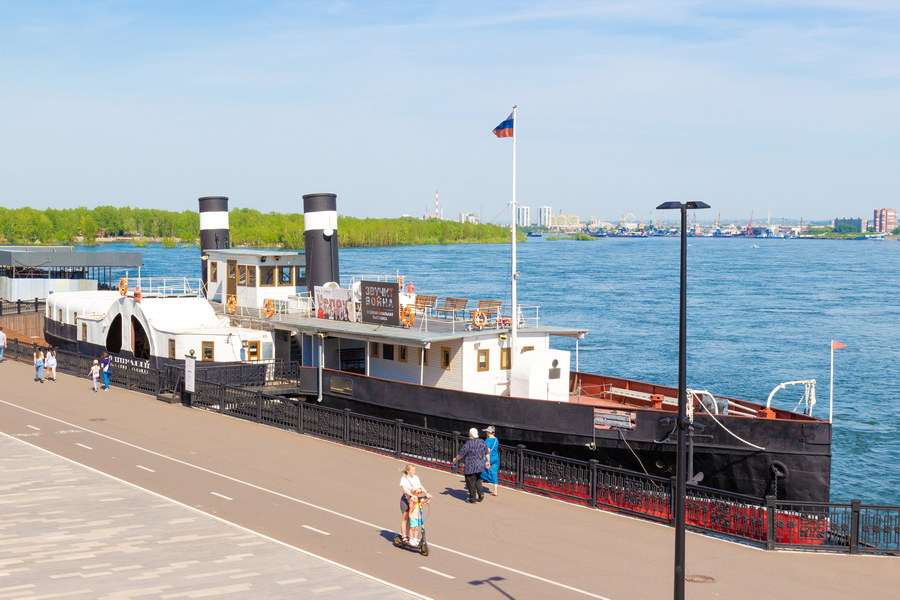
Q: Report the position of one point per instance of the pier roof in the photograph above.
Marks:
(66, 256)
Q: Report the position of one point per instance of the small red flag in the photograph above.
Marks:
(835, 345)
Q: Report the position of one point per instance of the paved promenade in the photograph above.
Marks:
(117, 495)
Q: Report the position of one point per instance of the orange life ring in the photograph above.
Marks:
(123, 286)
(268, 308)
(231, 304)
(479, 319)
(407, 316)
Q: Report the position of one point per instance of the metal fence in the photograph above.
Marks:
(765, 522)
(18, 307)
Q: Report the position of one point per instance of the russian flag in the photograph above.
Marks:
(505, 129)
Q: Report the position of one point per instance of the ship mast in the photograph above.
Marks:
(514, 318)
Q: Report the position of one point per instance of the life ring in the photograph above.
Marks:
(407, 316)
(231, 304)
(268, 308)
(123, 286)
(479, 319)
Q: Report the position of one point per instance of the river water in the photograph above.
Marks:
(760, 312)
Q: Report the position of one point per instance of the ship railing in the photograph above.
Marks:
(162, 286)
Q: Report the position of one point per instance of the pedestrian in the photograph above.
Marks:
(2, 344)
(95, 373)
(39, 365)
(105, 369)
(411, 488)
(475, 454)
(491, 473)
(50, 365)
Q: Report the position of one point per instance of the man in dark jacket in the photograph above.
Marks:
(475, 455)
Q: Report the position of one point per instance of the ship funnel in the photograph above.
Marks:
(214, 233)
(321, 240)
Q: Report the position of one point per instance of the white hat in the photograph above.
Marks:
(473, 433)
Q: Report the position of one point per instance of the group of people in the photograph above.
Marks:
(481, 463)
(101, 368)
(45, 361)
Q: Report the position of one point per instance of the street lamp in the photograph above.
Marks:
(682, 424)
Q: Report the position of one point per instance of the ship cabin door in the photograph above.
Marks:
(231, 280)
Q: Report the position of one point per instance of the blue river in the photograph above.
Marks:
(760, 312)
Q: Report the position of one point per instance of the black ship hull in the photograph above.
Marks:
(793, 464)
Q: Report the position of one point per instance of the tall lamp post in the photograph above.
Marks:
(682, 424)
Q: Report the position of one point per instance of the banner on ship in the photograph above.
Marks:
(334, 303)
(380, 302)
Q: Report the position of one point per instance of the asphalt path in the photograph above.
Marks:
(341, 504)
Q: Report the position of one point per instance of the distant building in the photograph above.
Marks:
(469, 218)
(885, 220)
(859, 225)
(544, 216)
(565, 221)
(523, 216)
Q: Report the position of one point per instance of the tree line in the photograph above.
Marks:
(248, 227)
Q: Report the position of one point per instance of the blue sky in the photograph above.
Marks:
(785, 107)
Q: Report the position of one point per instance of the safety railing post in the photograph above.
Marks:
(770, 522)
(398, 434)
(347, 413)
(222, 398)
(454, 468)
(259, 402)
(854, 526)
(520, 466)
(301, 416)
(592, 466)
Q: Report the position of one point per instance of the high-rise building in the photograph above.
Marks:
(885, 220)
(544, 214)
(523, 216)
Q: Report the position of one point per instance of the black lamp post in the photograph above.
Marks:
(682, 424)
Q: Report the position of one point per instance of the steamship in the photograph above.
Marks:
(377, 347)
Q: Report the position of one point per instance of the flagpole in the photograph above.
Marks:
(514, 317)
(831, 388)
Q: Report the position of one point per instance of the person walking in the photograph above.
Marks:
(474, 453)
(39, 365)
(105, 369)
(2, 344)
(490, 474)
(50, 365)
(95, 373)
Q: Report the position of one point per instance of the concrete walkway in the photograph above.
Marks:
(330, 500)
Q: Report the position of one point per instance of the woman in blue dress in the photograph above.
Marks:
(490, 474)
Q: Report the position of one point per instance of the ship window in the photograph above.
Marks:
(60, 316)
(484, 360)
(268, 350)
(74, 318)
(401, 350)
(445, 358)
(504, 358)
(84, 332)
(299, 275)
(387, 351)
(171, 347)
(208, 352)
(253, 350)
(232, 267)
(373, 349)
(284, 275)
(242, 275)
(267, 276)
(251, 275)
(213, 271)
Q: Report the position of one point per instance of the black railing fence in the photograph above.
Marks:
(238, 391)
(18, 307)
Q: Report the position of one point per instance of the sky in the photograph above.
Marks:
(785, 108)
